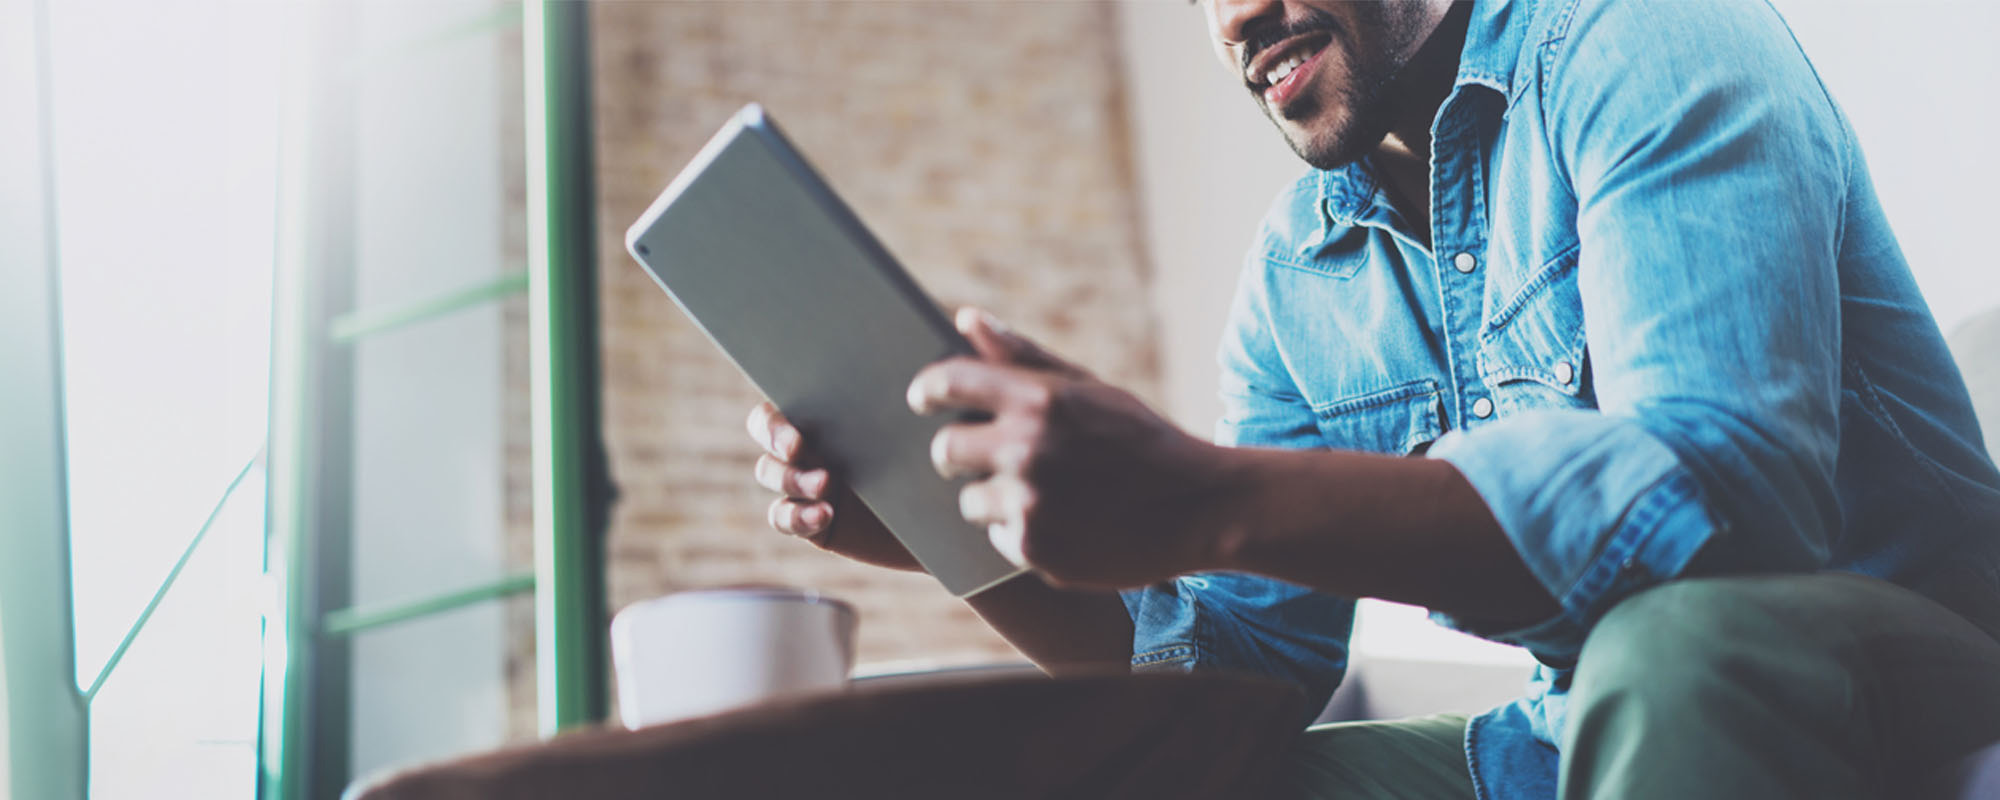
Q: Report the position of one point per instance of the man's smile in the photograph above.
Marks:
(1278, 71)
(1282, 70)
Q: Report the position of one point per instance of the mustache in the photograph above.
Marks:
(1266, 33)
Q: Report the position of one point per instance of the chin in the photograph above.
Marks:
(1330, 135)
(1332, 147)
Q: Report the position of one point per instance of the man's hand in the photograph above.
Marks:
(813, 505)
(1076, 479)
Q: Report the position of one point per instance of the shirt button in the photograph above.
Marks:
(1465, 262)
(1564, 373)
(1482, 408)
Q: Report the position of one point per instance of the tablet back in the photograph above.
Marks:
(754, 246)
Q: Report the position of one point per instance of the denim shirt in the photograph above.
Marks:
(1663, 329)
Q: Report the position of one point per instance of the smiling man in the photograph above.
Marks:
(1587, 332)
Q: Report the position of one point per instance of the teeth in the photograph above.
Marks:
(1283, 69)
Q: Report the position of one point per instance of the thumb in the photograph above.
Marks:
(994, 341)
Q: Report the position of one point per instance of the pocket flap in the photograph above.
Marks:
(1396, 420)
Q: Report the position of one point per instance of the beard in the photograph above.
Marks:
(1352, 111)
(1359, 121)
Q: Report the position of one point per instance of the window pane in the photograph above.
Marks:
(164, 123)
(179, 717)
(164, 199)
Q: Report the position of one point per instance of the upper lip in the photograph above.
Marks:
(1277, 53)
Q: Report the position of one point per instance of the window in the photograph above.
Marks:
(163, 122)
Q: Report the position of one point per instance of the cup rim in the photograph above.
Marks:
(754, 592)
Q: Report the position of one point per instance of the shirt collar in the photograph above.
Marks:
(1493, 41)
(1344, 191)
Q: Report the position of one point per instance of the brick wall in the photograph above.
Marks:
(984, 142)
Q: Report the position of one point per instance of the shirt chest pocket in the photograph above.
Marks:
(1532, 351)
(1398, 420)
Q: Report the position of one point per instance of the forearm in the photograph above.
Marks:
(1411, 530)
(1063, 631)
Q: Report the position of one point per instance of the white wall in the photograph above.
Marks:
(1208, 164)
(1914, 77)
(1917, 78)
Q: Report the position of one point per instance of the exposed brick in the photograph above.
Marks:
(985, 144)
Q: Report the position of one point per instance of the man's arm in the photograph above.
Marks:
(1085, 484)
(1708, 213)
(1410, 530)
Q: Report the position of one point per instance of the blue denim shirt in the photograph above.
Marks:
(1664, 330)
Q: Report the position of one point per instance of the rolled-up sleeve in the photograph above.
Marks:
(1708, 222)
(1248, 623)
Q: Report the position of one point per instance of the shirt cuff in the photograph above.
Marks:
(1596, 506)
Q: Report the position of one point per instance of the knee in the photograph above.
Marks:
(1653, 644)
(1667, 649)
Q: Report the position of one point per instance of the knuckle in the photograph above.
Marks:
(1037, 399)
(808, 484)
(1018, 454)
(1033, 548)
(1027, 503)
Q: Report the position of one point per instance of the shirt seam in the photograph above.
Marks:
(1378, 397)
(1472, 727)
(1344, 274)
(1865, 388)
(1170, 654)
(1565, 260)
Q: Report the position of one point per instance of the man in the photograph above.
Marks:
(1587, 332)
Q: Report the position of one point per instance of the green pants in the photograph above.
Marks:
(1822, 686)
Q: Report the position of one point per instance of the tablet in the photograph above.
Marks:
(779, 273)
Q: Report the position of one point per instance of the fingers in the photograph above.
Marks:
(995, 500)
(800, 518)
(803, 510)
(789, 480)
(994, 341)
(1002, 506)
(1008, 540)
(971, 450)
(971, 384)
(773, 432)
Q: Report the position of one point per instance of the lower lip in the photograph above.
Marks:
(1283, 91)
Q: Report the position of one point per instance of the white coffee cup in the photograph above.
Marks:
(709, 650)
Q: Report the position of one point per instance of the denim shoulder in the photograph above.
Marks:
(1673, 42)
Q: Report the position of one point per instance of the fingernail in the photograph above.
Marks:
(965, 318)
(992, 323)
(814, 482)
(971, 504)
(788, 442)
(814, 517)
(1006, 540)
(915, 394)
